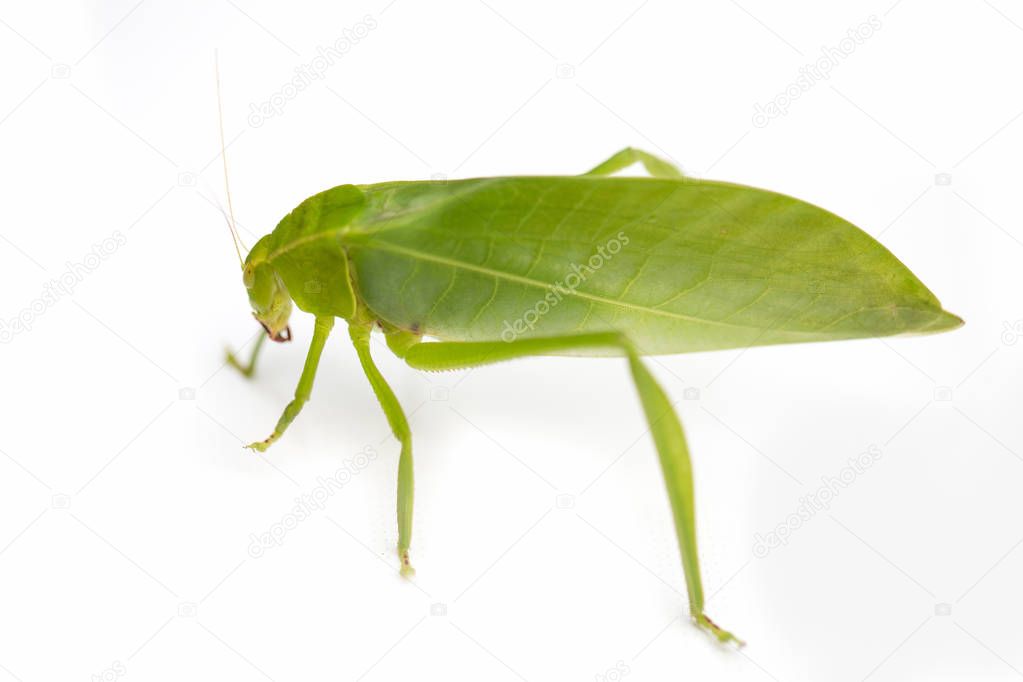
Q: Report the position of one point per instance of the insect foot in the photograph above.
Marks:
(723, 636)
(260, 445)
(233, 361)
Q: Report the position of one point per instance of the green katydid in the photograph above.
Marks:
(497, 268)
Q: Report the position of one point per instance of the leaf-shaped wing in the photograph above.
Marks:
(680, 265)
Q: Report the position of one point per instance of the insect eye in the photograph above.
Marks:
(249, 277)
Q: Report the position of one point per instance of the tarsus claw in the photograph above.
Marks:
(723, 636)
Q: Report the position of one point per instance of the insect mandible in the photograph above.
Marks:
(463, 273)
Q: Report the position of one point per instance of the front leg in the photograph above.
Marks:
(247, 369)
(305, 383)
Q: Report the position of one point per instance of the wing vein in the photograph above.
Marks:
(497, 274)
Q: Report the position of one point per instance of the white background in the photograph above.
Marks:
(128, 503)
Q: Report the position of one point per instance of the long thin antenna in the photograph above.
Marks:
(223, 157)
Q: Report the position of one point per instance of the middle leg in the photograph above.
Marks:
(399, 427)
